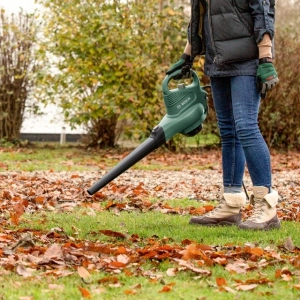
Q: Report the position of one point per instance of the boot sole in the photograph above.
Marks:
(223, 223)
(272, 225)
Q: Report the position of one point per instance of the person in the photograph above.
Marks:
(236, 38)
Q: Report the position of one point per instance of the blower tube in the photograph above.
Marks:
(156, 139)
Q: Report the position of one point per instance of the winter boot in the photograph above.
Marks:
(264, 215)
(228, 212)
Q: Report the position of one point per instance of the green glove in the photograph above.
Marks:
(266, 76)
(185, 63)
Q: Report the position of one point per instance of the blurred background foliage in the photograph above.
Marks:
(103, 63)
(107, 60)
(280, 111)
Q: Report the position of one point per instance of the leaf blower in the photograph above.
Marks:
(186, 108)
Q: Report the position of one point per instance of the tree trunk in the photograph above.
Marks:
(103, 132)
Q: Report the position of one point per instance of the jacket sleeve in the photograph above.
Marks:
(263, 15)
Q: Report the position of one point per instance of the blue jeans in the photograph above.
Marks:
(236, 101)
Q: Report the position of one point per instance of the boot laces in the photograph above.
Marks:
(258, 210)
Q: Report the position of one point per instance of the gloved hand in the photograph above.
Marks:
(185, 63)
(266, 76)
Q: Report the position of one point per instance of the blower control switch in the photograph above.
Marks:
(181, 85)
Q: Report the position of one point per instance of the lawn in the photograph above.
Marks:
(133, 240)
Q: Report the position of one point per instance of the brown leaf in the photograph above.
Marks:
(137, 286)
(123, 259)
(113, 233)
(53, 252)
(109, 279)
(116, 265)
(172, 272)
(296, 261)
(229, 289)
(286, 277)
(25, 272)
(237, 267)
(277, 273)
(59, 287)
(40, 199)
(5, 237)
(130, 292)
(288, 244)
(245, 287)
(189, 266)
(99, 195)
(84, 292)
(18, 211)
(254, 251)
(166, 289)
(191, 252)
(220, 281)
(121, 250)
(83, 273)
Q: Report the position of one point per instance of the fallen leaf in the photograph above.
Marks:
(125, 259)
(255, 251)
(238, 267)
(84, 292)
(59, 287)
(229, 290)
(244, 287)
(113, 233)
(220, 281)
(288, 244)
(130, 292)
(116, 265)
(109, 279)
(22, 271)
(18, 210)
(166, 289)
(172, 272)
(192, 252)
(83, 273)
(53, 252)
(189, 266)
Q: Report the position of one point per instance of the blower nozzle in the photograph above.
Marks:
(155, 140)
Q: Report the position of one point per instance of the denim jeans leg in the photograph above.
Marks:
(246, 101)
(233, 159)
(241, 100)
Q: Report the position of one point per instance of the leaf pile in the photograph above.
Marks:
(132, 190)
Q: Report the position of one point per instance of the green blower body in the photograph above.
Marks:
(186, 110)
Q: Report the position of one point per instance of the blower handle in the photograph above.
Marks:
(167, 79)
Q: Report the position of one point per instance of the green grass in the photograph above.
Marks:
(185, 285)
(161, 225)
(57, 158)
(202, 140)
(45, 157)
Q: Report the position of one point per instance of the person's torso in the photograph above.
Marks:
(230, 44)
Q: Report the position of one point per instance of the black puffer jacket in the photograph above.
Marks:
(234, 28)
